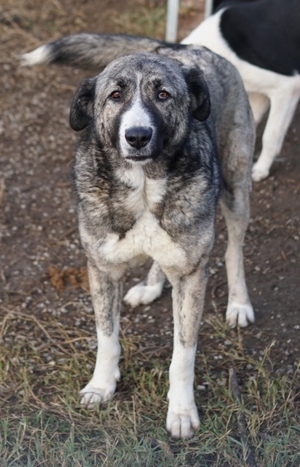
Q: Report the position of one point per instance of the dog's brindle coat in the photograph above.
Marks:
(148, 177)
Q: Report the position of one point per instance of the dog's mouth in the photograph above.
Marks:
(138, 158)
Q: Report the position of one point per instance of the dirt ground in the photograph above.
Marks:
(42, 263)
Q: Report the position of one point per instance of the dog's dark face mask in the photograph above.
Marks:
(142, 105)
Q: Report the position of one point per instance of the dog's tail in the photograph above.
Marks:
(90, 51)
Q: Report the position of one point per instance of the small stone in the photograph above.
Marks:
(201, 387)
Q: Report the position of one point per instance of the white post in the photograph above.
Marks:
(172, 20)
(208, 8)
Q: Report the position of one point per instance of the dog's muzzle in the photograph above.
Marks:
(138, 137)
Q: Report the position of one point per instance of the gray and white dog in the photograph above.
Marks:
(161, 134)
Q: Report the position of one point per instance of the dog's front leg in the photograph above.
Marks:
(188, 298)
(106, 292)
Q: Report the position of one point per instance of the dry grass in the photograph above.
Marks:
(148, 18)
(43, 424)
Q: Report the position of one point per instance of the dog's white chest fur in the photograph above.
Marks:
(146, 192)
(146, 237)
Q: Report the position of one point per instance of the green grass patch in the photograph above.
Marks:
(42, 423)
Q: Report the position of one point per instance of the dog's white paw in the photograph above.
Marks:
(142, 294)
(259, 172)
(239, 314)
(182, 422)
(93, 395)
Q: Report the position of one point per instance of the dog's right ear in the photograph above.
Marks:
(81, 112)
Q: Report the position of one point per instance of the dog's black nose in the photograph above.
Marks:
(138, 137)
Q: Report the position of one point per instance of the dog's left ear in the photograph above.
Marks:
(81, 112)
(199, 93)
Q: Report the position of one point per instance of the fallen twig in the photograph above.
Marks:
(242, 427)
(2, 189)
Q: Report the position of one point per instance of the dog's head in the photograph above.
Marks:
(141, 105)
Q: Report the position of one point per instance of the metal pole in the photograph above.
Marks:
(172, 20)
(208, 8)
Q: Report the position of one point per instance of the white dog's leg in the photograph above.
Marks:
(188, 298)
(106, 295)
(259, 105)
(236, 213)
(146, 292)
(282, 109)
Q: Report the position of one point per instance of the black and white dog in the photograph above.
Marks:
(262, 39)
(148, 178)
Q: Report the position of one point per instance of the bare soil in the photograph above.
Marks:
(42, 263)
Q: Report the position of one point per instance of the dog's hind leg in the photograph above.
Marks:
(147, 291)
(259, 105)
(106, 292)
(282, 109)
(235, 208)
(188, 298)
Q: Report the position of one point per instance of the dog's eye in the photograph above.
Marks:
(163, 95)
(115, 95)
